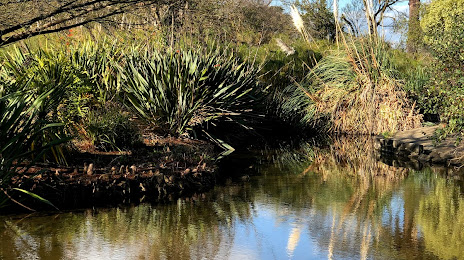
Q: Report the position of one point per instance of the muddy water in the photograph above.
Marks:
(338, 202)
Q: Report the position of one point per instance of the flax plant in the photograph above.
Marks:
(179, 90)
(22, 134)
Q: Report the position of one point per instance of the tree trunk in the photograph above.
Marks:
(414, 28)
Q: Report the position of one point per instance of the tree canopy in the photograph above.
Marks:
(20, 19)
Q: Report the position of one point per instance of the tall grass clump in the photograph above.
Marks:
(180, 90)
(354, 90)
(111, 128)
(360, 92)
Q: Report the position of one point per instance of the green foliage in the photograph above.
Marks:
(444, 35)
(440, 217)
(111, 128)
(179, 90)
(319, 17)
(40, 75)
(444, 32)
(94, 62)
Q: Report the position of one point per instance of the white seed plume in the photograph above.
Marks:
(285, 48)
(335, 10)
(297, 20)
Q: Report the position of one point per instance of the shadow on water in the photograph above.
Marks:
(304, 202)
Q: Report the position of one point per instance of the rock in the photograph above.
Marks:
(457, 161)
(419, 149)
(413, 156)
(403, 147)
(90, 169)
(423, 158)
(436, 158)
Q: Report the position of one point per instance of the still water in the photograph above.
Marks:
(338, 202)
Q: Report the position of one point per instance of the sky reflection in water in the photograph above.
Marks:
(305, 203)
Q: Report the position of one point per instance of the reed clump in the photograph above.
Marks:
(353, 90)
(358, 91)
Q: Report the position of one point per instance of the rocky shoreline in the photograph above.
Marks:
(417, 147)
(156, 173)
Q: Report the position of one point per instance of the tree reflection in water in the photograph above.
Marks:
(332, 202)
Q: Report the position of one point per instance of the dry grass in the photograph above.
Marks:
(368, 99)
(357, 89)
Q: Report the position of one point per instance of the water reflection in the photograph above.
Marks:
(306, 203)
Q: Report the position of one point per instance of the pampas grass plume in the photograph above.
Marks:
(285, 48)
(297, 20)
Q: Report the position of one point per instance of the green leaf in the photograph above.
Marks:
(35, 196)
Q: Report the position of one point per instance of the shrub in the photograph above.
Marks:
(444, 36)
(22, 131)
(444, 32)
(42, 80)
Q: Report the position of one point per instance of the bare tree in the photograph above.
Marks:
(374, 12)
(20, 19)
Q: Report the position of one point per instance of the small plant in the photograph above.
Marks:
(111, 128)
(387, 134)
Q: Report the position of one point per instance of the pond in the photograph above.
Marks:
(337, 202)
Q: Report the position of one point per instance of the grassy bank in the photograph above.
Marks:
(89, 90)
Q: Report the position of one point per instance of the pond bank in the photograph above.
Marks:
(163, 169)
(417, 147)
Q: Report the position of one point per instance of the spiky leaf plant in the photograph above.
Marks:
(182, 89)
(43, 78)
(20, 128)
